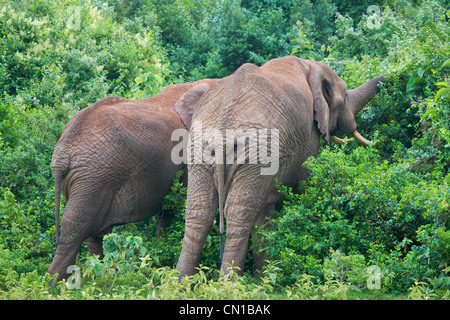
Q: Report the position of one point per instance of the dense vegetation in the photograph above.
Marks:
(369, 223)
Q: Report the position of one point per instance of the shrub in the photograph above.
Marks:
(342, 268)
(227, 36)
(357, 202)
(385, 206)
(56, 59)
(25, 241)
(411, 47)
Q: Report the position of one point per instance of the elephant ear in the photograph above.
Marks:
(322, 96)
(185, 106)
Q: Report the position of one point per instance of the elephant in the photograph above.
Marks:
(297, 101)
(112, 164)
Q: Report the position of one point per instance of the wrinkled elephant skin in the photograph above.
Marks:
(301, 100)
(113, 166)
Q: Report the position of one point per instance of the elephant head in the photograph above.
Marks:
(298, 101)
(335, 107)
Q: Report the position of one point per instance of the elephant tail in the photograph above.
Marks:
(220, 173)
(60, 166)
(58, 180)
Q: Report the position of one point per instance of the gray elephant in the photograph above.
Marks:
(294, 100)
(113, 166)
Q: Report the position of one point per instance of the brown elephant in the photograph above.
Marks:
(294, 100)
(113, 166)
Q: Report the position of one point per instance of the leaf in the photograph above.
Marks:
(158, 79)
(442, 91)
(139, 80)
(446, 63)
(447, 281)
(430, 112)
(139, 94)
(415, 83)
(421, 72)
(427, 70)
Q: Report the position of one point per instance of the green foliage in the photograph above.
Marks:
(411, 46)
(26, 237)
(350, 269)
(382, 207)
(368, 207)
(73, 53)
(224, 35)
(55, 62)
(438, 110)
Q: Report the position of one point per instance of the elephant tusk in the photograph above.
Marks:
(337, 140)
(361, 139)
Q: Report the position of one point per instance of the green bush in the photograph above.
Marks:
(26, 239)
(360, 204)
(228, 35)
(410, 46)
(79, 51)
(366, 217)
(55, 62)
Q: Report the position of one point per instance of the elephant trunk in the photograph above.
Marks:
(360, 96)
(356, 99)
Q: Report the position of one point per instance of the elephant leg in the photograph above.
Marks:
(237, 236)
(258, 246)
(80, 221)
(95, 243)
(245, 203)
(95, 246)
(73, 233)
(201, 208)
(163, 220)
(66, 255)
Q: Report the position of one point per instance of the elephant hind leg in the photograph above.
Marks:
(95, 246)
(95, 243)
(201, 208)
(163, 221)
(73, 232)
(66, 255)
(77, 224)
(245, 207)
(198, 225)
